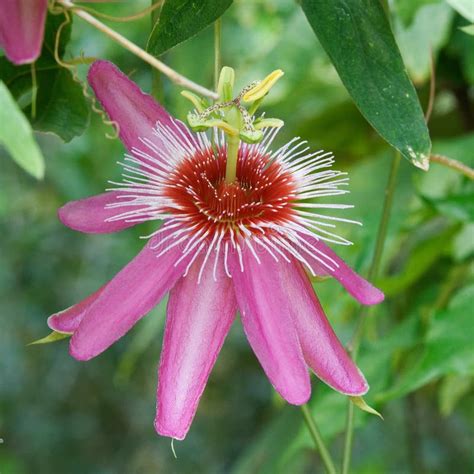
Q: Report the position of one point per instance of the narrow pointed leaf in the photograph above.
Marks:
(359, 402)
(17, 137)
(469, 29)
(53, 337)
(358, 39)
(464, 8)
(181, 19)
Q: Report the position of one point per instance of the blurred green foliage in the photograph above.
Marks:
(58, 415)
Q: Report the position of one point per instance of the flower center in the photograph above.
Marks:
(262, 193)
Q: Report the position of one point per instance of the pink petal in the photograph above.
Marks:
(321, 348)
(357, 286)
(198, 320)
(135, 112)
(129, 296)
(266, 317)
(69, 319)
(90, 215)
(22, 29)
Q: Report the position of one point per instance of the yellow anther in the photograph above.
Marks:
(263, 87)
(268, 123)
(233, 132)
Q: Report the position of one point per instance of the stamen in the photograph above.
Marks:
(272, 203)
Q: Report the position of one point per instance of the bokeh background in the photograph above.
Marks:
(58, 415)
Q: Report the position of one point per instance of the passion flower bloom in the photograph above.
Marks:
(22, 29)
(247, 245)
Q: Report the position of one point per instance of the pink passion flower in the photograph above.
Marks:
(22, 29)
(22, 25)
(247, 245)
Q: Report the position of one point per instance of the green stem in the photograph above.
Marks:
(346, 459)
(377, 257)
(362, 316)
(156, 82)
(34, 90)
(233, 118)
(232, 155)
(217, 67)
(318, 441)
(217, 51)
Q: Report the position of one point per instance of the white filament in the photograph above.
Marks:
(142, 197)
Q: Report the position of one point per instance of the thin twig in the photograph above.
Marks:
(318, 441)
(142, 54)
(453, 164)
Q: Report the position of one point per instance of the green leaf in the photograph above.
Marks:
(418, 263)
(459, 206)
(464, 8)
(447, 347)
(463, 245)
(407, 9)
(53, 337)
(424, 37)
(16, 135)
(61, 107)
(360, 403)
(181, 19)
(360, 43)
(469, 29)
(465, 48)
(442, 182)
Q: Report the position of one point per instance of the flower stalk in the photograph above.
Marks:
(233, 144)
(318, 440)
(217, 51)
(356, 340)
